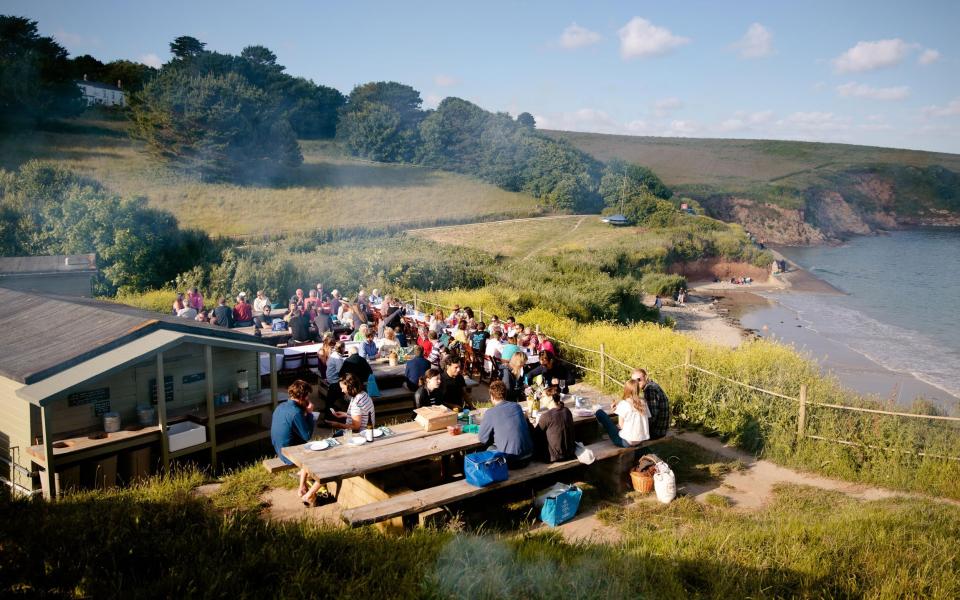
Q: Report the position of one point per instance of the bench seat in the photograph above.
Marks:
(275, 465)
(419, 501)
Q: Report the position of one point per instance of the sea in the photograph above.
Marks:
(894, 330)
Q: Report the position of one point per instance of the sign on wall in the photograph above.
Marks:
(167, 389)
(88, 397)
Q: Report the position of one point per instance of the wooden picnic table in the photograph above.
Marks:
(408, 444)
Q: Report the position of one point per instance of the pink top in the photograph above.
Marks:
(195, 300)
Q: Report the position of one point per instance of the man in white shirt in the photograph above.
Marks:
(260, 301)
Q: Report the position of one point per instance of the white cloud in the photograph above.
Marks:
(928, 57)
(756, 43)
(640, 38)
(151, 60)
(744, 121)
(866, 56)
(805, 123)
(665, 106)
(952, 109)
(575, 36)
(860, 90)
(445, 80)
(682, 128)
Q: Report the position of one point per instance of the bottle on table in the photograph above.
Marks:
(368, 434)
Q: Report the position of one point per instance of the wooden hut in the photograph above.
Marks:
(70, 367)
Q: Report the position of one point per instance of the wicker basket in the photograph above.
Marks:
(642, 481)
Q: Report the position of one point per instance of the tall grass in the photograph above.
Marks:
(886, 447)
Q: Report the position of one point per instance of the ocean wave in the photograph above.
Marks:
(891, 346)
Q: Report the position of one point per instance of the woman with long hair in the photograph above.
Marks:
(634, 417)
(437, 321)
(512, 376)
(428, 394)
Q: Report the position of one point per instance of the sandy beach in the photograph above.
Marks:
(727, 314)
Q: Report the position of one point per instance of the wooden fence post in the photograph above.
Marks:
(687, 361)
(802, 417)
(416, 302)
(603, 366)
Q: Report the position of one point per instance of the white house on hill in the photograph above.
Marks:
(104, 94)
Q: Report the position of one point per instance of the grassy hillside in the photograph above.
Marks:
(329, 190)
(740, 164)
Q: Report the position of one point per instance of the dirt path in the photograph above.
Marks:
(552, 241)
(503, 222)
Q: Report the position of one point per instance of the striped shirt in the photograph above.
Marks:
(361, 406)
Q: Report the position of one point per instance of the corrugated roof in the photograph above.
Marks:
(23, 265)
(44, 335)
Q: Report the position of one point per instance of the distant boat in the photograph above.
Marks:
(616, 220)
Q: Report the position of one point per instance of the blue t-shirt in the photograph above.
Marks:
(508, 350)
(290, 427)
(505, 426)
(415, 368)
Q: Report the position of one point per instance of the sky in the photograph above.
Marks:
(873, 72)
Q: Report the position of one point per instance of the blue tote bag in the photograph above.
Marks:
(483, 468)
(561, 507)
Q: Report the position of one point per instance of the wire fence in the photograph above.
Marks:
(599, 362)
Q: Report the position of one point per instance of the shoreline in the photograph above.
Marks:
(718, 309)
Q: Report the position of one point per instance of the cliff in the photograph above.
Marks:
(838, 204)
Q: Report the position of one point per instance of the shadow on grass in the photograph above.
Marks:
(168, 543)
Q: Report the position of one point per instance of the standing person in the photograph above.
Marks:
(454, 392)
(195, 299)
(555, 434)
(299, 327)
(335, 302)
(260, 302)
(505, 429)
(657, 403)
(292, 421)
(222, 314)
(512, 377)
(242, 312)
(428, 392)
(657, 303)
(311, 302)
(415, 368)
(633, 416)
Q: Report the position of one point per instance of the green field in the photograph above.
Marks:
(743, 164)
(328, 191)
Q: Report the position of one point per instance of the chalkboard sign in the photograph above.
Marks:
(89, 396)
(194, 378)
(101, 406)
(167, 389)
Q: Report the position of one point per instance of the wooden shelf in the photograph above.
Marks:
(236, 410)
(239, 433)
(190, 450)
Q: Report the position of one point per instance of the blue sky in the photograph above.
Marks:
(877, 73)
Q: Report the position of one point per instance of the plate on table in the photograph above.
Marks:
(357, 440)
(317, 446)
(377, 433)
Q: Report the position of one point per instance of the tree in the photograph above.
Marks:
(132, 75)
(622, 181)
(86, 66)
(186, 47)
(36, 81)
(313, 110)
(380, 121)
(527, 120)
(260, 55)
(222, 127)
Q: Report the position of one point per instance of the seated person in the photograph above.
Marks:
(323, 322)
(290, 308)
(553, 372)
(389, 343)
(478, 339)
(528, 339)
(633, 415)
(435, 348)
(368, 349)
(554, 435)
(260, 302)
(203, 316)
(265, 318)
(299, 327)
(195, 299)
(505, 428)
(510, 348)
(454, 392)
(297, 299)
(333, 356)
(311, 301)
(360, 411)
(357, 365)
(179, 304)
(346, 317)
(510, 330)
(428, 392)
(657, 403)
(242, 312)
(361, 334)
(545, 344)
(494, 346)
(511, 374)
(187, 312)
(222, 315)
(415, 368)
(293, 422)
(460, 333)
(375, 298)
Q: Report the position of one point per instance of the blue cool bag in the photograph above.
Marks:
(483, 468)
(373, 390)
(561, 507)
